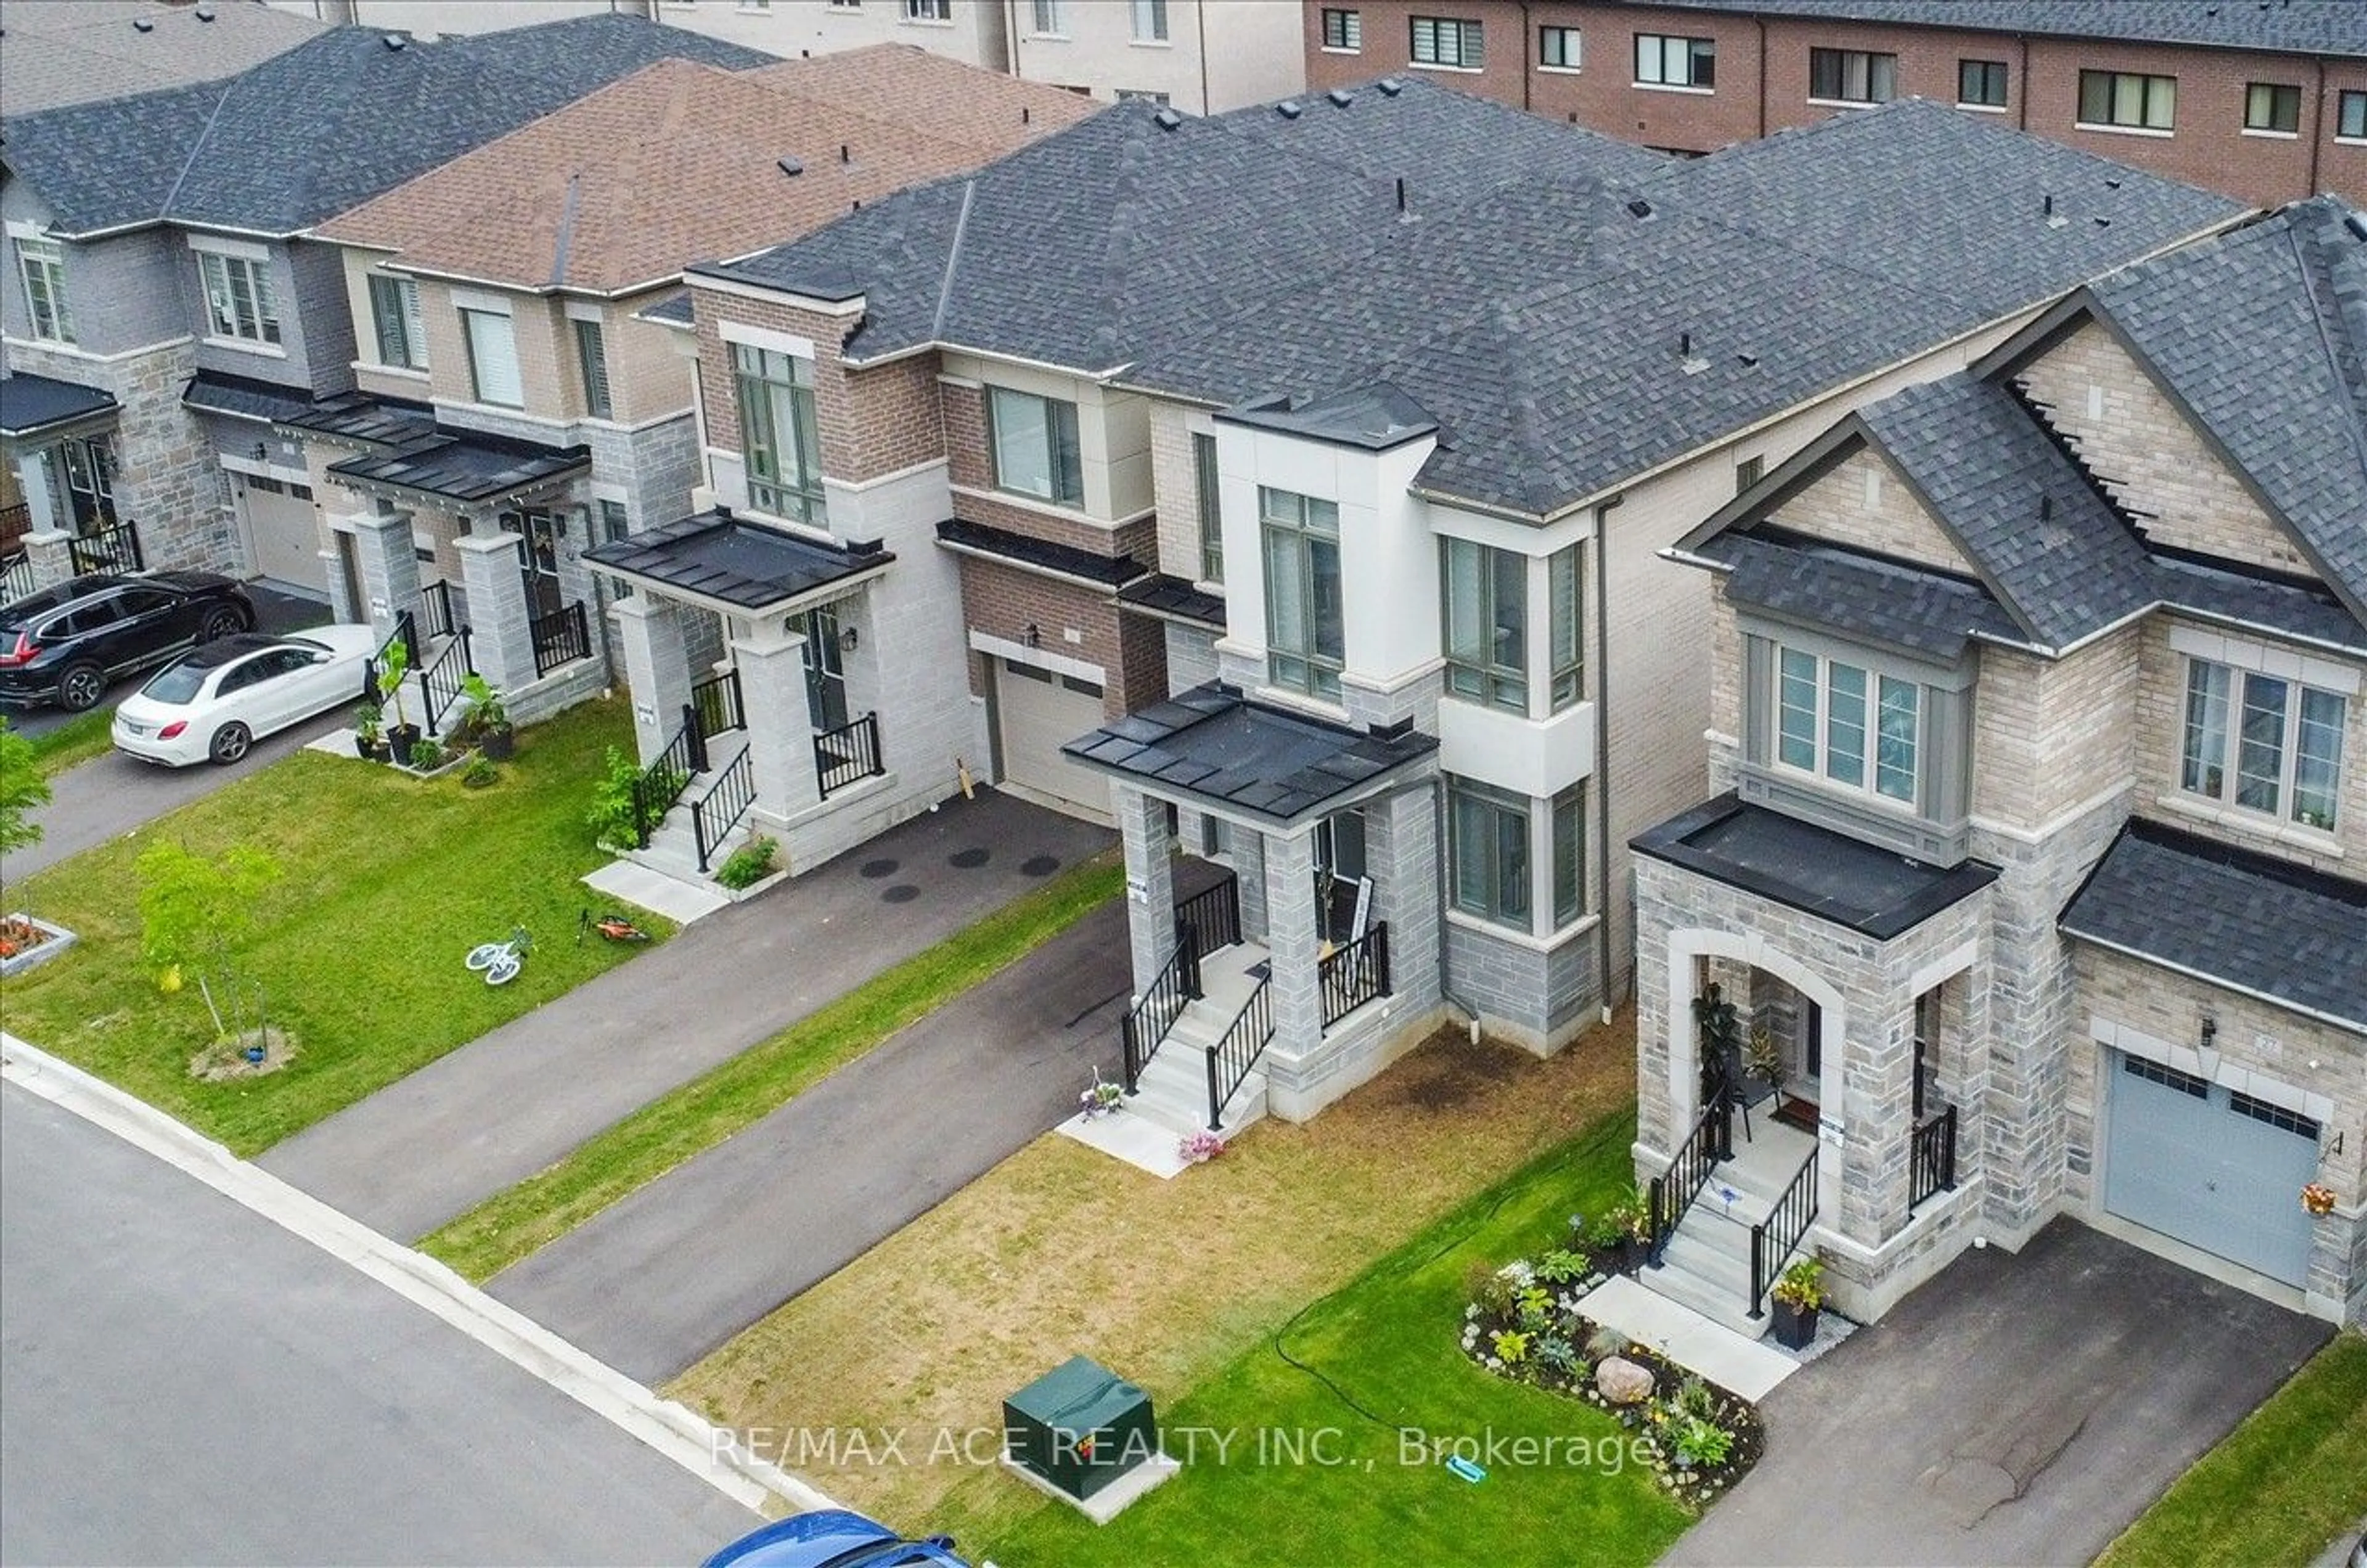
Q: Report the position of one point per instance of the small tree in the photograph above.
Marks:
(394, 664)
(194, 912)
(21, 789)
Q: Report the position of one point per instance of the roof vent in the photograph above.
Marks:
(1639, 207)
(845, 155)
(1747, 361)
(2357, 224)
(2047, 509)
(2046, 207)
(1402, 193)
(394, 41)
(1167, 119)
(1692, 364)
(791, 166)
(1341, 97)
(205, 13)
(1288, 109)
(2103, 222)
(1390, 86)
(144, 25)
(2113, 184)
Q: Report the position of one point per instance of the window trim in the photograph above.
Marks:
(2343, 99)
(1873, 697)
(1566, 813)
(1842, 58)
(591, 356)
(263, 299)
(53, 283)
(2129, 127)
(1297, 528)
(476, 366)
(1351, 30)
(1470, 43)
(1210, 508)
(1065, 486)
(2284, 814)
(1045, 19)
(1697, 50)
(927, 14)
(407, 319)
(1161, 34)
(1499, 804)
(2273, 132)
(1493, 683)
(2005, 89)
(1570, 35)
(801, 498)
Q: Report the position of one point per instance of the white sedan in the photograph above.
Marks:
(213, 703)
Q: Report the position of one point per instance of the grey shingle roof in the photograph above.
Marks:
(352, 116)
(72, 52)
(1921, 612)
(2303, 26)
(2249, 920)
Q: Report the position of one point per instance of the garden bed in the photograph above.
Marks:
(26, 940)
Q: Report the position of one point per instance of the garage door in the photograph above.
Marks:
(1040, 712)
(2218, 1170)
(282, 539)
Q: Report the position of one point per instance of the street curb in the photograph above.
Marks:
(710, 1452)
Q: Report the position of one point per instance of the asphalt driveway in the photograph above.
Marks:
(492, 1113)
(717, 1243)
(2017, 1409)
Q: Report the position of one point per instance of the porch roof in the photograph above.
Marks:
(1167, 597)
(745, 565)
(30, 405)
(365, 419)
(2231, 917)
(466, 466)
(1874, 891)
(1212, 746)
(242, 397)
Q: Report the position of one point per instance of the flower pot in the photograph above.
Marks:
(499, 745)
(398, 740)
(1794, 1326)
(365, 747)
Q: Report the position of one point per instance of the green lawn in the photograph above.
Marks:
(388, 882)
(2279, 1488)
(78, 740)
(1380, 1357)
(710, 1108)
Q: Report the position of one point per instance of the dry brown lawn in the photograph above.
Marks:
(1062, 1250)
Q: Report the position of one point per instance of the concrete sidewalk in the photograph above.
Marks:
(720, 1242)
(421, 1151)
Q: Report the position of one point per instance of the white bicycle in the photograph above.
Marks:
(500, 962)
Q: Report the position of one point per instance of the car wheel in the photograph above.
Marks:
(80, 688)
(221, 621)
(230, 742)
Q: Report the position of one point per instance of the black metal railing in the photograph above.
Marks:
(1355, 974)
(1772, 1238)
(660, 784)
(714, 814)
(1932, 1159)
(407, 632)
(115, 548)
(436, 610)
(441, 683)
(1237, 1051)
(1673, 1190)
(1215, 912)
(847, 753)
(16, 576)
(717, 701)
(1146, 1024)
(559, 637)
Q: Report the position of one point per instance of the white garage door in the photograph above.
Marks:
(1039, 713)
(2218, 1170)
(282, 539)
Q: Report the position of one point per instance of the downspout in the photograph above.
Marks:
(1011, 39)
(2316, 130)
(1200, 20)
(1528, 59)
(1445, 985)
(1602, 723)
(2022, 116)
(1761, 20)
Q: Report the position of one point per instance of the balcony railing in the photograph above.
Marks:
(559, 637)
(436, 616)
(115, 548)
(1932, 1159)
(659, 785)
(1356, 974)
(717, 701)
(849, 753)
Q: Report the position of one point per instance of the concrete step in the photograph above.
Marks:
(1174, 1091)
(1712, 1253)
(1717, 1300)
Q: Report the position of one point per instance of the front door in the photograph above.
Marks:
(538, 564)
(1341, 891)
(87, 464)
(825, 668)
(1811, 1051)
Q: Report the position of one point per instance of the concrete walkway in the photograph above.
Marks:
(421, 1151)
(721, 1241)
(2017, 1409)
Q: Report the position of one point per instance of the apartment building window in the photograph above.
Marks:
(928, 10)
(1562, 645)
(779, 435)
(1035, 445)
(42, 267)
(2126, 101)
(1442, 40)
(1486, 613)
(1344, 31)
(1151, 21)
(591, 358)
(1853, 76)
(1047, 19)
(492, 358)
(240, 303)
(1981, 84)
(2286, 740)
(1305, 631)
(2351, 117)
(1212, 529)
(1487, 846)
(1665, 61)
(395, 314)
(1828, 711)
(2272, 107)
(1568, 854)
(1560, 49)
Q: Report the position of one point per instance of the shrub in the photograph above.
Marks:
(749, 864)
(1557, 1354)
(1694, 1398)
(479, 774)
(1606, 1342)
(1562, 1266)
(1512, 1347)
(611, 816)
(426, 755)
(1700, 1443)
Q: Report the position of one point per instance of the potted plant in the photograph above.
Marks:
(370, 733)
(393, 666)
(1764, 1061)
(1798, 1292)
(488, 718)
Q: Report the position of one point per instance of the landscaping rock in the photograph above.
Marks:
(1622, 1381)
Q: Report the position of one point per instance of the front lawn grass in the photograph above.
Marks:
(2279, 1488)
(1062, 1250)
(710, 1108)
(78, 740)
(387, 881)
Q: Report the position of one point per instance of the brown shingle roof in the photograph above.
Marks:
(681, 163)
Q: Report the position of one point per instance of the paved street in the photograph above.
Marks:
(187, 1383)
(724, 1239)
(2014, 1410)
(498, 1109)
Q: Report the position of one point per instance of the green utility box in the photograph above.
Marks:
(1079, 1427)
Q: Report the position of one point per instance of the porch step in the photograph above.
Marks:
(1697, 1278)
(1173, 1089)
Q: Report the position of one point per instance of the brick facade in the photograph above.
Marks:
(1863, 502)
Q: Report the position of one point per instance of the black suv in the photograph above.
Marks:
(64, 644)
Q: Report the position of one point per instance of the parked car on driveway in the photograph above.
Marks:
(214, 703)
(64, 644)
(834, 1537)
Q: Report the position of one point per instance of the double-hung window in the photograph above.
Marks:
(1665, 61)
(492, 357)
(395, 314)
(1487, 623)
(1047, 19)
(1981, 84)
(1035, 445)
(1489, 854)
(1560, 49)
(41, 265)
(1212, 523)
(240, 304)
(2127, 101)
(1343, 31)
(1848, 725)
(1853, 76)
(781, 440)
(2351, 117)
(1568, 854)
(592, 359)
(2263, 743)
(1562, 644)
(1151, 21)
(1305, 629)
(1444, 40)
(2270, 105)
(928, 10)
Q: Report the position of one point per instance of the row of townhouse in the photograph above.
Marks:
(2267, 103)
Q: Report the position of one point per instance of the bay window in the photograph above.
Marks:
(1847, 725)
(779, 436)
(1487, 629)
(1306, 634)
(1488, 852)
(1034, 441)
(2262, 743)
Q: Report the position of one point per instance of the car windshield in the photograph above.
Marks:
(178, 682)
